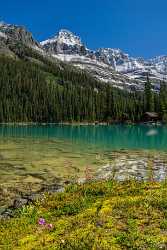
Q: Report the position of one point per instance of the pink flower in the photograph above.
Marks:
(50, 226)
(41, 221)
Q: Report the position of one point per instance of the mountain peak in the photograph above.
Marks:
(64, 36)
(69, 38)
(66, 31)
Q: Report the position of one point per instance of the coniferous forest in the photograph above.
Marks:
(41, 91)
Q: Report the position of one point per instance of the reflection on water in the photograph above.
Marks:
(110, 137)
(152, 132)
(33, 155)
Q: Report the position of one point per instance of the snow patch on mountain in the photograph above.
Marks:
(80, 59)
(120, 61)
(66, 37)
(49, 41)
(3, 35)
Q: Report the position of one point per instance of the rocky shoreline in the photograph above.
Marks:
(123, 168)
(27, 199)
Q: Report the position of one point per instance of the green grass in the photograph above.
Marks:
(98, 215)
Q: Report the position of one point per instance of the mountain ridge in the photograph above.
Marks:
(105, 64)
(100, 52)
(119, 61)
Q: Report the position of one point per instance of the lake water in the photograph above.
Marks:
(34, 155)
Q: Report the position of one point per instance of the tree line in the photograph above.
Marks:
(49, 92)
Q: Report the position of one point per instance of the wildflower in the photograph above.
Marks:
(41, 221)
(49, 226)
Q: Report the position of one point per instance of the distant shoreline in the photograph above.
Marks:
(81, 123)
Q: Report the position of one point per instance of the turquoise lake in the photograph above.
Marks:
(109, 137)
(36, 155)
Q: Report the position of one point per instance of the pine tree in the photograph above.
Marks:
(149, 101)
(163, 101)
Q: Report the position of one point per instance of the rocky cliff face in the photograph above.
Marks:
(64, 43)
(17, 33)
(119, 60)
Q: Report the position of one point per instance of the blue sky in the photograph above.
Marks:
(139, 27)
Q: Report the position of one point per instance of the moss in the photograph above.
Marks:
(98, 215)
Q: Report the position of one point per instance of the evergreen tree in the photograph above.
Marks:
(163, 101)
(149, 101)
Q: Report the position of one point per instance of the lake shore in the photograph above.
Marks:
(39, 159)
(83, 123)
(121, 198)
(124, 166)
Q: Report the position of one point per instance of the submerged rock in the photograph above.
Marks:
(124, 168)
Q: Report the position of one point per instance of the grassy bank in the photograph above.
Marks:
(99, 215)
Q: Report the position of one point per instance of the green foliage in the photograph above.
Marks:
(164, 224)
(98, 215)
(149, 101)
(163, 101)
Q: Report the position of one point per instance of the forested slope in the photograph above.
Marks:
(34, 88)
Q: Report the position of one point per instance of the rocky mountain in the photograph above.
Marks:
(120, 61)
(64, 43)
(106, 64)
(69, 48)
(13, 34)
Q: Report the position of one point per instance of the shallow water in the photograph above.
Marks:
(33, 155)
